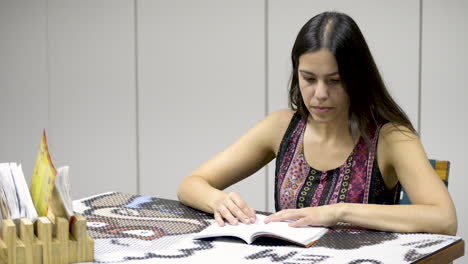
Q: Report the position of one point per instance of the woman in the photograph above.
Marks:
(340, 151)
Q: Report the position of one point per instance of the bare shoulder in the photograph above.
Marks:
(278, 123)
(391, 133)
(281, 117)
(398, 144)
(400, 153)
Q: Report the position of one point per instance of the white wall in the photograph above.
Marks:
(136, 94)
(23, 80)
(201, 86)
(92, 120)
(444, 126)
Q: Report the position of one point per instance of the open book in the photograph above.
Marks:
(303, 236)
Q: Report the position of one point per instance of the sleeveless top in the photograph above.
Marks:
(298, 185)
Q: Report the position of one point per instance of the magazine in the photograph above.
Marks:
(43, 179)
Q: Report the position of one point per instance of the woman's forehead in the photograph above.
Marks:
(321, 62)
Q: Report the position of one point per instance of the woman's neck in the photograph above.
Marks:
(330, 132)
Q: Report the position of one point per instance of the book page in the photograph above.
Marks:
(9, 192)
(302, 235)
(15, 198)
(242, 231)
(299, 235)
(61, 202)
(26, 205)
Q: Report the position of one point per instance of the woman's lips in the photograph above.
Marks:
(320, 109)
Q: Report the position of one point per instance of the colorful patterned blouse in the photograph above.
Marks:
(298, 185)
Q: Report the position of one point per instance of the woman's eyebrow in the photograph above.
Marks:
(311, 73)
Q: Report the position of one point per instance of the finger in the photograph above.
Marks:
(219, 219)
(253, 217)
(284, 215)
(268, 218)
(247, 213)
(237, 212)
(273, 217)
(299, 223)
(226, 214)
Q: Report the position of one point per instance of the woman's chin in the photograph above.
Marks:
(321, 118)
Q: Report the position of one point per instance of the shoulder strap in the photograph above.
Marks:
(282, 164)
(370, 162)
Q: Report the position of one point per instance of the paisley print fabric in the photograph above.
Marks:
(357, 180)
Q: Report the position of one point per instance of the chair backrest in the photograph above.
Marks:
(442, 168)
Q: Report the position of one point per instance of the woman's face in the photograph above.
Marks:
(321, 87)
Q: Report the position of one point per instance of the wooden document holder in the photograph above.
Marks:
(45, 242)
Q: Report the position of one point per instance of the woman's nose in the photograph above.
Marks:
(321, 91)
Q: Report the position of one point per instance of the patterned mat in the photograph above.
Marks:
(140, 229)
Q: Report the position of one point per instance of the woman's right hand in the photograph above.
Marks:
(232, 209)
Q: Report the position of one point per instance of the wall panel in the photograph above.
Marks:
(201, 86)
(23, 81)
(444, 92)
(92, 93)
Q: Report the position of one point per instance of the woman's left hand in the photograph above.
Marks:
(326, 215)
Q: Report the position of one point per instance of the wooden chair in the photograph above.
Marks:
(441, 167)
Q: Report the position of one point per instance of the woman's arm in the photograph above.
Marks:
(402, 154)
(202, 189)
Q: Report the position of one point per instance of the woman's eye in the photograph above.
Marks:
(309, 79)
(335, 81)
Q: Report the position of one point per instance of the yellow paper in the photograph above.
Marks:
(42, 182)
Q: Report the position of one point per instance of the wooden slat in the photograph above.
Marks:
(3, 252)
(62, 231)
(72, 249)
(79, 232)
(44, 234)
(38, 254)
(20, 252)
(55, 251)
(26, 233)
(89, 248)
(9, 237)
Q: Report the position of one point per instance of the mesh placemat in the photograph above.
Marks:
(140, 229)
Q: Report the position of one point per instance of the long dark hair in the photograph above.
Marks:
(370, 102)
